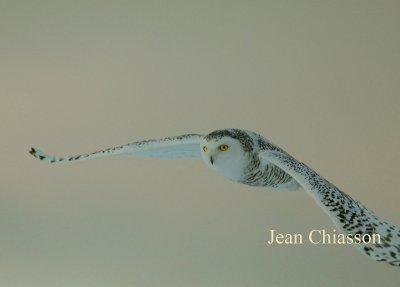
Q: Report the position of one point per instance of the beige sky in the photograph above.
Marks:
(318, 78)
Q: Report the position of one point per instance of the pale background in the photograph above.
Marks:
(319, 78)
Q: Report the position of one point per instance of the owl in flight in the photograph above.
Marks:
(248, 158)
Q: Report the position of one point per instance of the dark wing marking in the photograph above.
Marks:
(351, 216)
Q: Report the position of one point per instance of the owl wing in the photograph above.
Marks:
(349, 215)
(183, 146)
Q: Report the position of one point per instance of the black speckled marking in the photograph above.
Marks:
(268, 176)
(265, 145)
(350, 215)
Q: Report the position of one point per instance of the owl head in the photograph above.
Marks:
(223, 151)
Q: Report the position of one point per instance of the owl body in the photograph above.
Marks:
(242, 164)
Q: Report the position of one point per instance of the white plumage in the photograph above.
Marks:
(248, 158)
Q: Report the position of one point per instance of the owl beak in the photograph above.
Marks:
(211, 160)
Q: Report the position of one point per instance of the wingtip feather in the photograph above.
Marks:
(41, 155)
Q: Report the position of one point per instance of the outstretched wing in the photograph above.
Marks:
(349, 215)
(182, 146)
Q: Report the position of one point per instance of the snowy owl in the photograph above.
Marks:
(248, 158)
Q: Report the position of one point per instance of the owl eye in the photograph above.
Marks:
(205, 148)
(223, 147)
